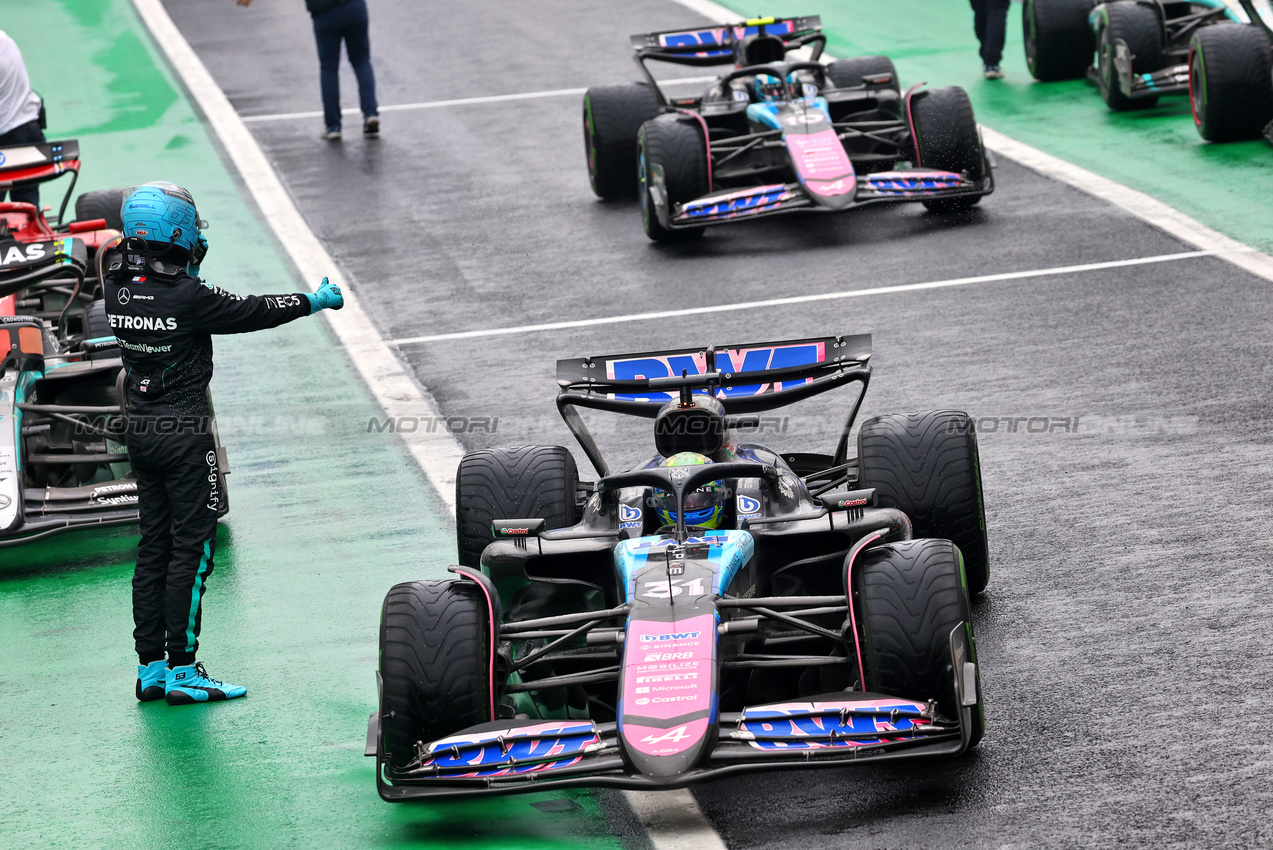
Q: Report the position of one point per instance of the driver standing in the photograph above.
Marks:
(163, 317)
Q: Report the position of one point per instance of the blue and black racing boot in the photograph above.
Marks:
(150, 680)
(191, 683)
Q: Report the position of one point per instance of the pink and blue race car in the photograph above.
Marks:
(775, 136)
(720, 607)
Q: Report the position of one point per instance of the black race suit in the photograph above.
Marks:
(164, 319)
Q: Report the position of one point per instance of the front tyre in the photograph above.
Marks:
(434, 665)
(674, 147)
(612, 116)
(927, 466)
(1230, 82)
(527, 482)
(946, 138)
(910, 596)
(1138, 27)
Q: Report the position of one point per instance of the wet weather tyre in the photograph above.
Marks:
(1058, 38)
(847, 73)
(946, 138)
(909, 597)
(1230, 82)
(434, 664)
(1138, 26)
(527, 482)
(927, 466)
(612, 117)
(96, 324)
(676, 146)
(101, 203)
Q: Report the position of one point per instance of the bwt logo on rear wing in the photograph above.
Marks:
(731, 361)
(679, 40)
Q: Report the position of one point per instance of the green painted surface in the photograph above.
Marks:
(1158, 151)
(324, 518)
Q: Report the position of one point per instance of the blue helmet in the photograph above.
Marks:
(162, 213)
(768, 88)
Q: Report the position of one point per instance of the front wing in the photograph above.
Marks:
(831, 730)
(761, 201)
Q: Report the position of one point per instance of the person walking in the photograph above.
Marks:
(163, 317)
(20, 111)
(336, 21)
(990, 20)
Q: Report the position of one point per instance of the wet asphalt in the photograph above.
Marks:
(1123, 414)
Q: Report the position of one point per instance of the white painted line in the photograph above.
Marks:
(805, 299)
(462, 101)
(1139, 204)
(387, 377)
(674, 820)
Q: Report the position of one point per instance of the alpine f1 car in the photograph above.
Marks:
(63, 452)
(1134, 50)
(719, 608)
(773, 136)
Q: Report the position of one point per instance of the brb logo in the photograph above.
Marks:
(728, 361)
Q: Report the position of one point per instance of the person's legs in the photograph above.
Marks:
(996, 25)
(358, 47)
(191, 468)
(26, 134)
(328, 39)
(153, 554)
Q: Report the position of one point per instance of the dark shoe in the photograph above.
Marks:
(331, 134)
(371, 126)
(150, 681)
(994, 72)
(190, 684)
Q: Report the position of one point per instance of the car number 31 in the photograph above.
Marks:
(667, 588)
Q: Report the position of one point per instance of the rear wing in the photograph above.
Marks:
(747, 379)
(715, 45)
(39, 162)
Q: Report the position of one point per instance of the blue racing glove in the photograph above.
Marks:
(327, 297)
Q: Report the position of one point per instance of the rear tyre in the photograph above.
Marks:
(946, 138)
(101, 203)
(910, 596)
(1230, 82)
(1058, 38)
(927, 466)
(612, 116)
(528, 482)
(434, 664)
(1138, 26)
(96, 323)
(846, 73)
(675, 146)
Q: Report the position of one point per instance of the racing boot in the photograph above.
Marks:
(150, 680)
(191, 683)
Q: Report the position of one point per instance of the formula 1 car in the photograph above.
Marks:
(1134, 50)
(820, 617)
(773, 136)
(63, 458)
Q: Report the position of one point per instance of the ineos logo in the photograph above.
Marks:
(124, 296)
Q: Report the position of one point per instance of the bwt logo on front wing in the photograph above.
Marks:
(677, 636)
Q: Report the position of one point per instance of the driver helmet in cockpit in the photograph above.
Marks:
(704, 507)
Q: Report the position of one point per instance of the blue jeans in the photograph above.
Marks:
(346, 22)
(23, 134)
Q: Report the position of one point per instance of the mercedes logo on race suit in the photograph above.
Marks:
(124, 295)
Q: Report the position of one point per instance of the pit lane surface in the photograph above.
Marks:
(1123, 428)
